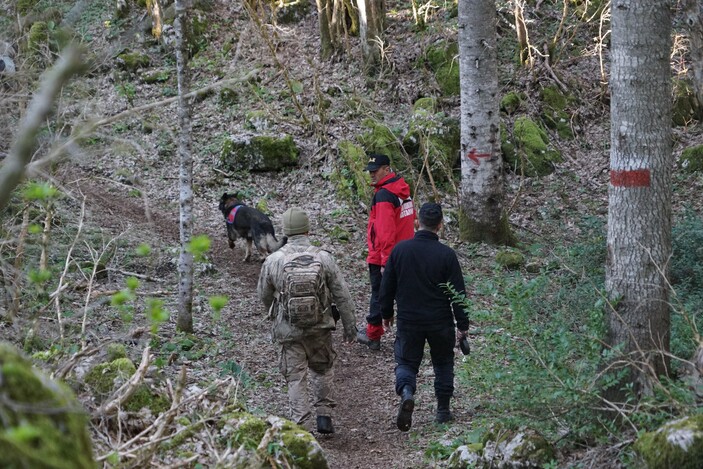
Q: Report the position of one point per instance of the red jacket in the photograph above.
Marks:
(392, 218)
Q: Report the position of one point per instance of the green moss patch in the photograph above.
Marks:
(434, 137)
(380, 138)
(685, 108)
(261, 153)
(677, 444)
(52, 431)
(443, 60)
(133, 61)
(554, 111)
(691, 159)
(511, 102)
(527, 150)
(350, 178)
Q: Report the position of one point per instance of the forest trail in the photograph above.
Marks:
(365, 432)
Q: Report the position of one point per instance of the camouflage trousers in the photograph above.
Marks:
(311, 356)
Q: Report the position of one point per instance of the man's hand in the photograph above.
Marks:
(460, 335)
(350, 335)
(387, 324)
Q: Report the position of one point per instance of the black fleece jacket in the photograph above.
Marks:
(413, 277)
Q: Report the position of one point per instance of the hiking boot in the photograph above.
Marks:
(362, 338)
(324, 425)
(405, 411)
(443, 416)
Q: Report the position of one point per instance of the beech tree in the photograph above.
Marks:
(185, 261)
(482, 180)
(331, 17)
(639, 213)
(694, 23)
(371, 20)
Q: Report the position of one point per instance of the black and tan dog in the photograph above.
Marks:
(251, 224)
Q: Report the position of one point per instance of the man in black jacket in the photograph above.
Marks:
(416, 275)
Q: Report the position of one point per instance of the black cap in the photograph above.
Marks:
(376, 160)
(430, 214)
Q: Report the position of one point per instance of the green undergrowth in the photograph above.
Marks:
(538, 354)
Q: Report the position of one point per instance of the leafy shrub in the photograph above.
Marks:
(686, 274)
(542, 347)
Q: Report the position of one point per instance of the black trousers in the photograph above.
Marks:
(409, 350)
(374, 317)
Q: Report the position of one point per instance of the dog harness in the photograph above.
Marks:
(232, 214)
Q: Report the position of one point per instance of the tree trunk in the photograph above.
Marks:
(694, 22)
(324, 18)
(185, 261)
(639, 215)
(157, 15)
(482, 190)
(371, 18)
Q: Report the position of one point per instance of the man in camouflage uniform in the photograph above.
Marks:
(307, 349)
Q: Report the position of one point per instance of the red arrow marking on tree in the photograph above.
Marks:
(630, 178)
(473, 156)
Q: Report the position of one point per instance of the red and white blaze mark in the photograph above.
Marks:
(630, 177)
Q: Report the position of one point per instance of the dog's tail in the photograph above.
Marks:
(273, 244)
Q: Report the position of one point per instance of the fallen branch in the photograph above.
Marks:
(125, 391)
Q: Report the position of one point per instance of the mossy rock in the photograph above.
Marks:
(510, 259)
(676, 444)
(504, 448)
(465, 456)
(350, 178)
(57, 437)
(260, 153)
(254, 437)
(437, 136)
(228, 97)
(379, 138)
(105, 378)
(243, 428)
(428, 105)
(443, 59)
(116, 351)
(528, 150)
(25, 6)
(156, 76)
(691, 159)
(38, 37)
(340, 234)
(554, 111)
(257, 120)
(528, 449)
(305, 451)
(133, 61)
(290, 12)
(511, 102)
(685, 107)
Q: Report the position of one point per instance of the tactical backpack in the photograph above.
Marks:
(304, 290)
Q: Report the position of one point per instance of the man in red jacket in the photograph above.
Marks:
(392, 219)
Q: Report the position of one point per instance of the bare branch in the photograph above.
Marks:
(14, 167)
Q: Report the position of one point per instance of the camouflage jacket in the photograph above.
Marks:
(271, 282)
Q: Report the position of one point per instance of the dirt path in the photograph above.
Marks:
(365, 433)
(366, 436)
